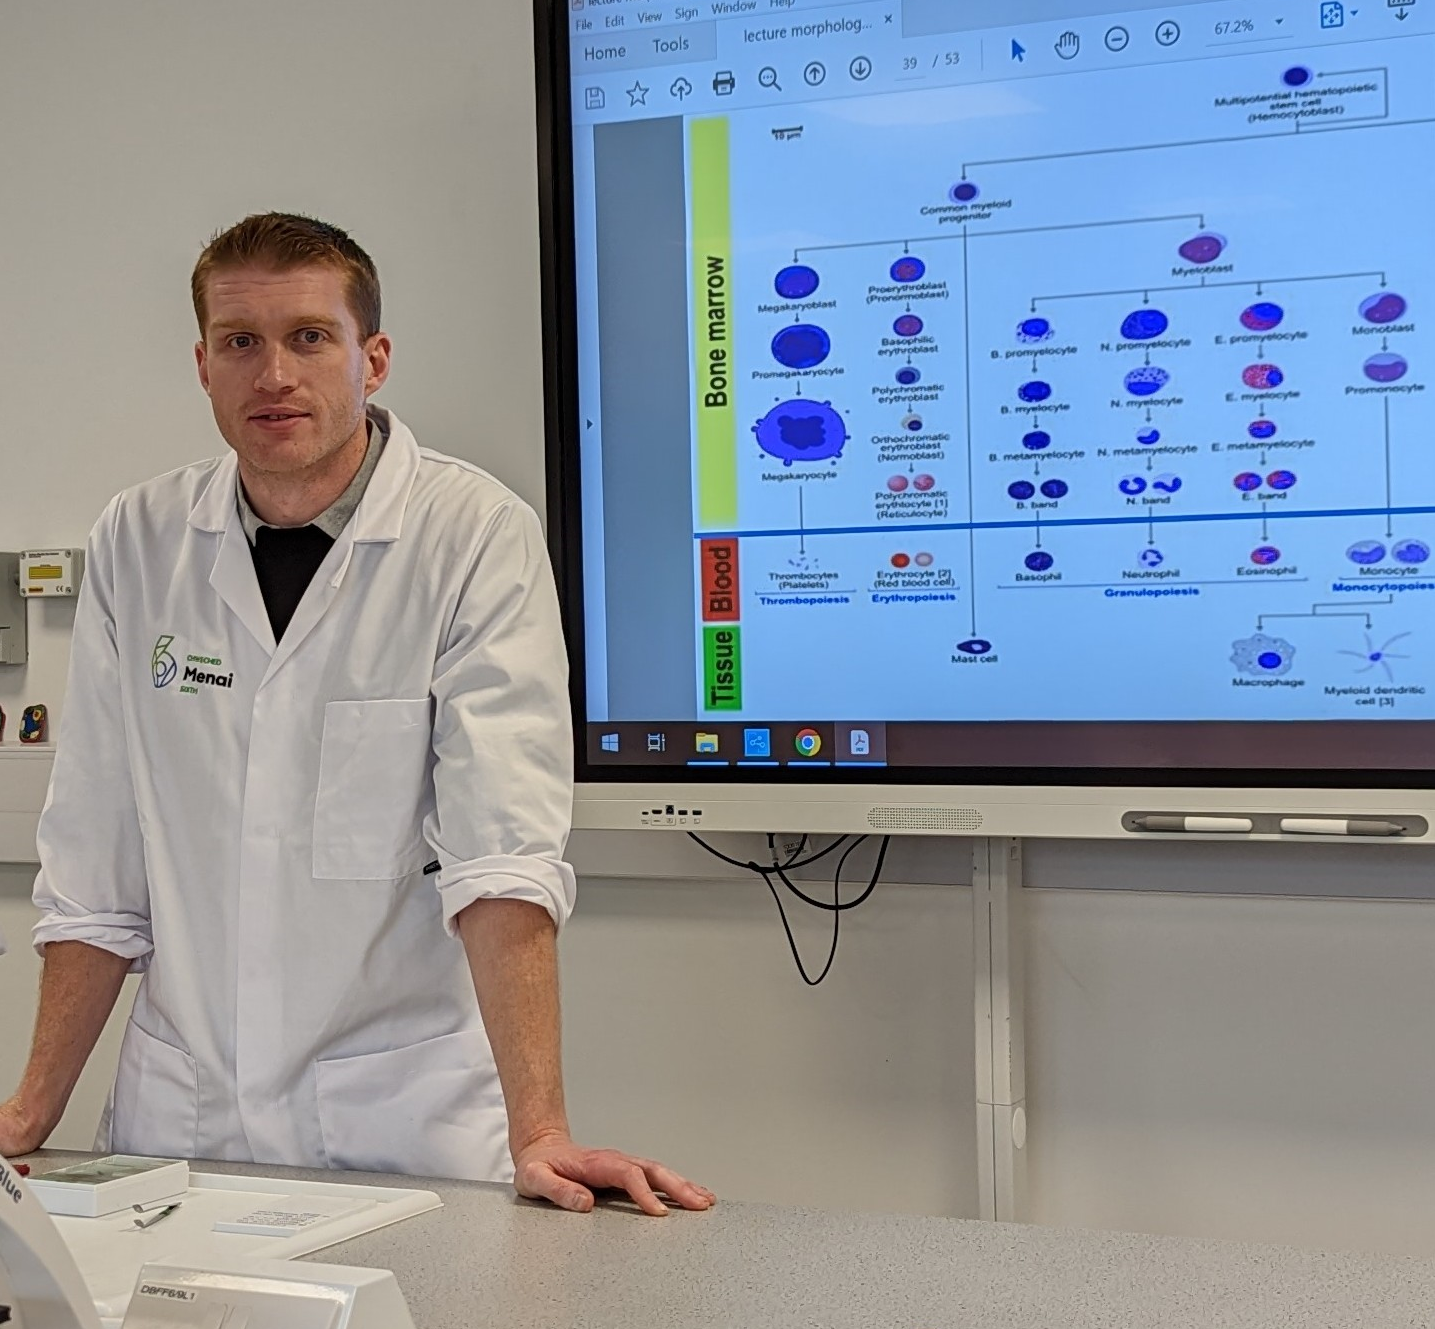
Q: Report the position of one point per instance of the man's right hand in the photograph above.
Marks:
(19, 1134)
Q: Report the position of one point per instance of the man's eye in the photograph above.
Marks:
(311, 336)
(241, 342)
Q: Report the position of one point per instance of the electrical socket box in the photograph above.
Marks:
(14, 639)
(51, 573)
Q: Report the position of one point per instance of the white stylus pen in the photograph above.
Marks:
(1339, 826)
(1200, 825)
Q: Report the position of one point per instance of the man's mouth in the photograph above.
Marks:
(278, 415)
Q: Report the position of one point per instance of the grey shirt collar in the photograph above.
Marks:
(336, 516)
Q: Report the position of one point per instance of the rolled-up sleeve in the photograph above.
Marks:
(92, 885)
(503, 745)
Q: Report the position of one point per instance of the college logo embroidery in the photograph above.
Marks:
(163, 666)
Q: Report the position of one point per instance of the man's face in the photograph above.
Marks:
(284, 367)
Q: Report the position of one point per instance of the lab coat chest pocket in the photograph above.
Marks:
(373, 772)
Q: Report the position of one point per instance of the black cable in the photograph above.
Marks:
(836, 908)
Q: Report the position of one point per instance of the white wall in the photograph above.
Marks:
(1223, 1066)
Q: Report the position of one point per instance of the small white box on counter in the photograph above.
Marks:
(106, 1185)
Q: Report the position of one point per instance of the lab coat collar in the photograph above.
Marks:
(380, 515)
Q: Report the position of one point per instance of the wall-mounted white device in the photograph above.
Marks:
(51, 572)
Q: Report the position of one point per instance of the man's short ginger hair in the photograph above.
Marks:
(283, 240)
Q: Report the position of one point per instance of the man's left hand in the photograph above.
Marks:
(554, 1168)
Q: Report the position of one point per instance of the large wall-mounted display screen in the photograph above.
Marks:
(1015, 388)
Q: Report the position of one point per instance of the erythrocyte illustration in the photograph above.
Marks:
(924, 560)
(797, 282)
(802, 346)
(901, 560)
(898, 484)
(924, 484)
(801, 430)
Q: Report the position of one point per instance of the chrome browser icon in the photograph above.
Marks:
(808, 742)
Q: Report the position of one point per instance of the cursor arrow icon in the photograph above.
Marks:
(1018, 51)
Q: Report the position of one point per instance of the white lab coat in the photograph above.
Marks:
(256, 844)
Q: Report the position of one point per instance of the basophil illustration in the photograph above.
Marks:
(1387, 367)
(1263, 655)
(1262, 317)
(796, 282)
(802, 346)
(1383, 307)
(1203, 249)
(1144, 325)
(801, 430)
(1146, 381)
(1039, 561)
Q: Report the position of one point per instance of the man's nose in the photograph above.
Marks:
(276, 371)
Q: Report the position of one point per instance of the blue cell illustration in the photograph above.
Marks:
(908, 268)
(802, 346)
(1204, 248)
(1034, 391)
(801, 430)
(1280, 481)
(1262, 377)
(912, 424)
(964, 191)
(1152, 557)
(1039, 561)
(1366, 552)
(1021, 490)
(1034, 330)
(976, 646)
(1262, 655)
(1262, 317)
(1167, 483)
(1262, 429)
(1297, 76)
(1148, 437)
(907, 325)
(1383, 307)
(1412, 551)
(1247, 482)
(1146, 381)
(1265, 556)
(797, 282)
(1037, 440)
(908, 375)
(1144, 325)
(1055, 488)
(1131, 485)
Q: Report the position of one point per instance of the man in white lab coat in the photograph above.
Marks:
(314, 779)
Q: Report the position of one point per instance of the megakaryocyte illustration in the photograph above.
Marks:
(801, 430)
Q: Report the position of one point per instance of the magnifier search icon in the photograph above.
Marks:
(767, 78)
